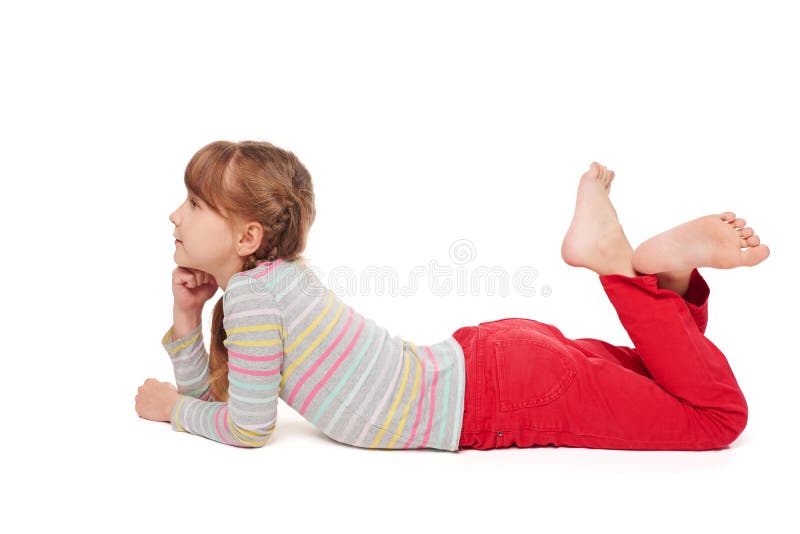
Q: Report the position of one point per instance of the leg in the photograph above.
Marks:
(695, 295)
(682, 396)
(595, 240)
(681, 360)
(536, 388)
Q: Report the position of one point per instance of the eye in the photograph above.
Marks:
(194, 204)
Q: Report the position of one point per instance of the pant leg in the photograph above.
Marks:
(537, 388)
(696, 299)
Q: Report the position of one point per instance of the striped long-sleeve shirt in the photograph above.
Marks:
(289, 336)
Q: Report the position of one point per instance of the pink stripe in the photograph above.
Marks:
(333, 368)
(433, 402)
(266, 358)
(252, 373)
(268, 268)
(234, 440)
(321, 358)
(216, 425)
(420, 401)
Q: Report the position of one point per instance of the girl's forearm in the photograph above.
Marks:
(184, 322)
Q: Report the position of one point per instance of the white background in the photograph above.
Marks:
(422, 123)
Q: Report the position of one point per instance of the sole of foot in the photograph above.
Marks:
(595, 238)
(720, 240)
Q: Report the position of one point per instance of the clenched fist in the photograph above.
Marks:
(156, 400)
(192, 288)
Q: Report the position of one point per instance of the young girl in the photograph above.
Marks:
(278, 331)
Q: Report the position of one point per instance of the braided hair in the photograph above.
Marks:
(252, 181)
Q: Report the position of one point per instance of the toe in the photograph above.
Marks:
(753, 241)
(746, 232)
(754, 255)
(728, 216)
(739, 223)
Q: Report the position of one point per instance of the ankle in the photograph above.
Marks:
(677, 281)
(617, 269)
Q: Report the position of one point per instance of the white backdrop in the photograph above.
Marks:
(422, 124)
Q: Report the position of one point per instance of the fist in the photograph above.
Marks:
(192, 288)
(156, 400)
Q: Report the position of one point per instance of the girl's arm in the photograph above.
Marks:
(184, 340)
(254, 339)
(189, 362)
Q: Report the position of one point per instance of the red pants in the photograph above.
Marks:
(529, 385)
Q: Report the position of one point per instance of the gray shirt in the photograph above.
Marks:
(289, 336)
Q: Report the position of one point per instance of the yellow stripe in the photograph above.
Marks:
(313, 324)
(396, 401)
(166, 336)
(235, 430)
(181, 400)
(251, 433)
(408, 403)
(289, 370)
(185, 343)
(257, 327)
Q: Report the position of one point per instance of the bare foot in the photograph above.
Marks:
(710, 241)
(595, 239)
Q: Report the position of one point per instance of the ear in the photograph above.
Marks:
(250, 238)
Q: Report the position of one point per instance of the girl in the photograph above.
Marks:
(278, 331)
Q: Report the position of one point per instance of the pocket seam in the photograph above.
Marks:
(554, 393)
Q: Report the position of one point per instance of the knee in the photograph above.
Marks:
(737, 421)
(718, 428)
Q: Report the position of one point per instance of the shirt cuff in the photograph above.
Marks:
(175, 345)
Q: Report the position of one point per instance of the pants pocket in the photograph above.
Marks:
(531, 372)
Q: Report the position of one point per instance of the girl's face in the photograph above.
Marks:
(207, 242)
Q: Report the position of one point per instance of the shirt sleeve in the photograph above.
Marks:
(254, 339)
(189, 363)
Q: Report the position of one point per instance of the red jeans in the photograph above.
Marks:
(528, 385)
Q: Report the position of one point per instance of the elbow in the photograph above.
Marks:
(249, 438)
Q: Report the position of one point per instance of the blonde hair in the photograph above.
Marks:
(252, 181)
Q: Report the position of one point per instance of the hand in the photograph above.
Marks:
(156, 400)
(192, 288)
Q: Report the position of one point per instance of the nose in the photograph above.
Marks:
(173, 217)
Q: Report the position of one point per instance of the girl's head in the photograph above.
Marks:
(247, 202)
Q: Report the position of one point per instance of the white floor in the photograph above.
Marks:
(438, 134)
